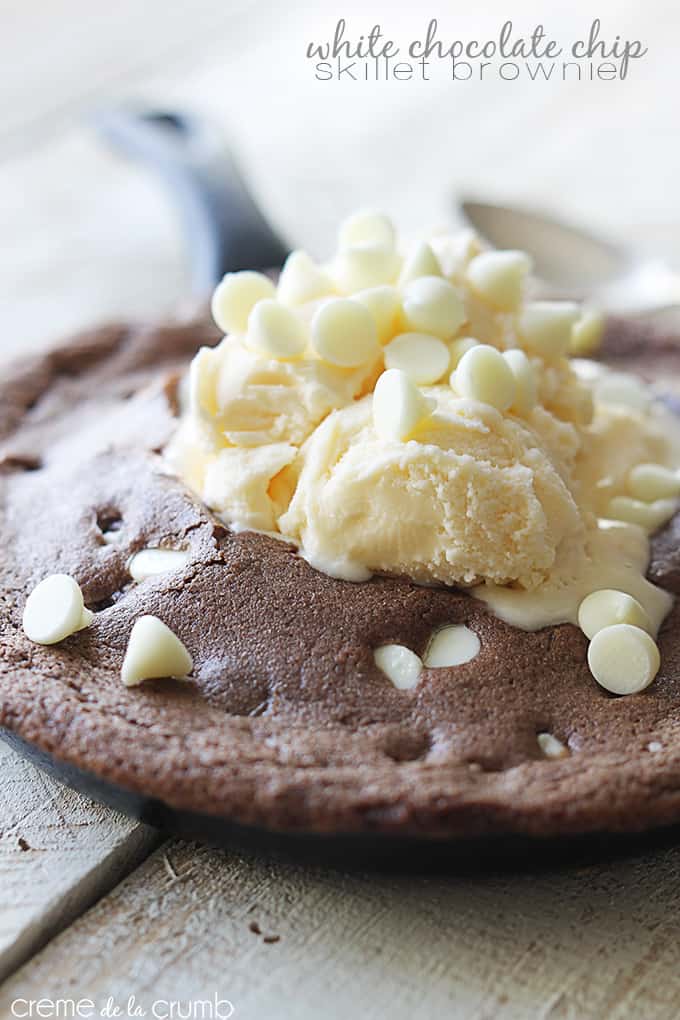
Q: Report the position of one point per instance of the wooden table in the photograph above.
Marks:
(94, 905)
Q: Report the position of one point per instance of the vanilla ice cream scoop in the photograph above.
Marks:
(248, 414)
(418, 414)
(473, 495)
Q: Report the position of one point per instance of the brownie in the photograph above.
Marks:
(286, 722)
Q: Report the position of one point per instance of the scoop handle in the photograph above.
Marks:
(222, 224)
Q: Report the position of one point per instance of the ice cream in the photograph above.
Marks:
(419, 414)
(474, 495)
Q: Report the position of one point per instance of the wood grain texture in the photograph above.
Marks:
(58, 853)
(596, 943)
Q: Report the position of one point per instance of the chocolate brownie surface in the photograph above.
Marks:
(286, 722)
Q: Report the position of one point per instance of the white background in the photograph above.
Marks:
(86, 236)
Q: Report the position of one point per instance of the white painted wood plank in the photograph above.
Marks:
(58, 853)
(595, 943)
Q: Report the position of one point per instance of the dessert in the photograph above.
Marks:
(431, 427)
(412, 565)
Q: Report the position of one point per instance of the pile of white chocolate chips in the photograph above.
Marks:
(420, 415)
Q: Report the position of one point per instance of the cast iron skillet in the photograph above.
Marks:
(367, 851)
(225, 231)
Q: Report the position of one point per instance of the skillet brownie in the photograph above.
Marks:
(415, 553)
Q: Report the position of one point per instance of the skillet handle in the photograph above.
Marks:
(223, 226)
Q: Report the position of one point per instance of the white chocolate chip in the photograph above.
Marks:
(149, 562)
(236, 296)
(86, 619)
(203, 373)
(546, 326)
(344, 333)
(454, 252)
(649, 516)
(384, 304)
(623, 659)
(398, 406)
(400, 665)
(551, 746)
(525, 381)
(458, 348)
(367, 227)
(451, 646)
(421, 262)
(424, 358)
(654, 746)
(112, 537)
(301, 280)
(650, 482)
(483, 374)
(54, 610)
(498, 276)
(606, 607)
(366, 265)
(433, 305)
(275, 331)
(586, 333)
(154, 651)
